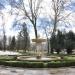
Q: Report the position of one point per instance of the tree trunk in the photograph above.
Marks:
(52, 50)
(35, 29)
(48, 46)
(55, 25)
(35, 32)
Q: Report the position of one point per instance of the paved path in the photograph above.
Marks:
(21, 71)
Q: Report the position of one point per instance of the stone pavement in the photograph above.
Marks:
(23, 71)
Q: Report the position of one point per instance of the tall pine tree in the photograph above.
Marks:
(13, 43)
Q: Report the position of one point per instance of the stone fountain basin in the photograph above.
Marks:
(28, 58)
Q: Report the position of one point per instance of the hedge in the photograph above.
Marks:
(60, 64)
(22, 64)
(12, 61)
(52, 64)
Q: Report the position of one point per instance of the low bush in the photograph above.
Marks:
(23, 64)
(7, 58)
(52, 64)
(37, 64)
(61, 64)
(11, 61)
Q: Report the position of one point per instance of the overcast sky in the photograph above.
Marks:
(47, 10)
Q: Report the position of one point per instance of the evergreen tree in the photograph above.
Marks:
(69, 42)
(1, 45)
(53, 43)
(24, 40)
(18, 43)
(13, 43)
(59, 41)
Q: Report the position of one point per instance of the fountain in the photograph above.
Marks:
(38, 41)
(39, 52)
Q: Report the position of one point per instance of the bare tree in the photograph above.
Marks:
(4, 38)
(47, 36)
(46, 31)
(32, 15)
(9, 42)
(4, 34)
(30, 9)
(58, 8)
(58, 15)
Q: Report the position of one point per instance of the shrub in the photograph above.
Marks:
(24, 64)
(61, 64)
(7, 58)
(35, 64)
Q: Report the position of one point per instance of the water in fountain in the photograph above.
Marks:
(41, 59)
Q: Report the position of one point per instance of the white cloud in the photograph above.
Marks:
(46, 11)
